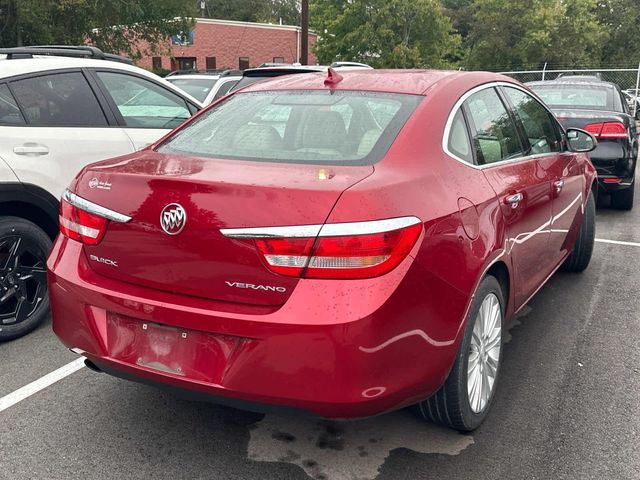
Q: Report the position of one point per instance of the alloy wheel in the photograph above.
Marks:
(23, 279)
(484, 353)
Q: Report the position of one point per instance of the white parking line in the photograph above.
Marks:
(43, 382)
(618, 242)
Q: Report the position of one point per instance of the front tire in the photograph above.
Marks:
(579, 258)
(623, 199)
(463, 402)
(24, 302)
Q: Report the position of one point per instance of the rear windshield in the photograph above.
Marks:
(198, 88)
(321, 126)
(579, 96)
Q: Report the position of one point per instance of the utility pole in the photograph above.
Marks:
(304, 41)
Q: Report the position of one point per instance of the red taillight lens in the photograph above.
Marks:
(340, 256)
(613, 130)
(80, 225)
(607, 130)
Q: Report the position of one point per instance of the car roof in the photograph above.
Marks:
(415, 82)
(211, 76)
(22, 66)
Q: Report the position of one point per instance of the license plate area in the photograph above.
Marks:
(187, 353)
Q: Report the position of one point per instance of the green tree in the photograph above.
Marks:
(269, 11)
(520, 33)
(113, 25)
(620, 18)
(384, 33)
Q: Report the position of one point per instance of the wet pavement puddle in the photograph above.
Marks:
(348, 450)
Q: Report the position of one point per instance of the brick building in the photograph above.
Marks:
(225, 44)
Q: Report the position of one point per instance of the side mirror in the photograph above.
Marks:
(580, 140)
(637, 115)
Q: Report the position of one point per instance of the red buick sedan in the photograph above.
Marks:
(343, 245)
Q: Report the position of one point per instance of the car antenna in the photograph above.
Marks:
(333, 77)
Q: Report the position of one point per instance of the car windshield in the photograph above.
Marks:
(198, 88)
(574, 95)
(322, 126)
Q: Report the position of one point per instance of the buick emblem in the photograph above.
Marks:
(173, 218)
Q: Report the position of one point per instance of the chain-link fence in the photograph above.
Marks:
(626, 78)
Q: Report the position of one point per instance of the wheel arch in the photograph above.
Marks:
(30, 203)
(500, 272)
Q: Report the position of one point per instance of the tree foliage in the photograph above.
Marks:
(269, 11)
(530, 33)
(384, 33)
(113, 25)
(620, 19)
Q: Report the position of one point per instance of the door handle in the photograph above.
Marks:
(513, 199)
(31, 149)
(558, 184)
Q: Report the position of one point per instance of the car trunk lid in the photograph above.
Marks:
(190, 256)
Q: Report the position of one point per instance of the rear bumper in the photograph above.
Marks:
(336, 349)
(615, 162)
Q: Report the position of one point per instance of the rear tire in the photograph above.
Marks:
(623, 199)
(24, 302)
(579, 258)
(455, 405)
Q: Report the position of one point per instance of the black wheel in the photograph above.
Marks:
(23, 277)
(580, 256)
(623, 199)
(464, 400)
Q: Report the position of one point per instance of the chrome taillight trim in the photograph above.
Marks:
(326, 230)
(94, 208)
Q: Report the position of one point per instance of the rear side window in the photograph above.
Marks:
(59, 100)
(9, 111)
(458, 142)
(142, 103)
(495, 137)
(224, 88)
(538, 123)
(322, 127)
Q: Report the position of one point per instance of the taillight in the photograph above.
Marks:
(80, 225)
(607, 130)
(85, 221)
(335, 251)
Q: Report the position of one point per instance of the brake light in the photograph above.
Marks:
(335, 251)
(80, 225)
(85, 221)
(607, 130)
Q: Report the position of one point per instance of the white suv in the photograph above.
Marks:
(61, 109)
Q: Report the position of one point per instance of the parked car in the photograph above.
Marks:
(60, 111)
(600, 108)
(340, 244)
(198, 85)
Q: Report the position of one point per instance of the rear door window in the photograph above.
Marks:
(142, 103)
(496, 137)
(538, 123)
(58, 100)
(323, 127)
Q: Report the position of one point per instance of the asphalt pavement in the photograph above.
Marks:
(567, 406)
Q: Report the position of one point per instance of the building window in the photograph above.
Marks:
(211, 63)
(156, 63)
(278, 59)
(184, 63)
(243, 64)
(183, 38)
